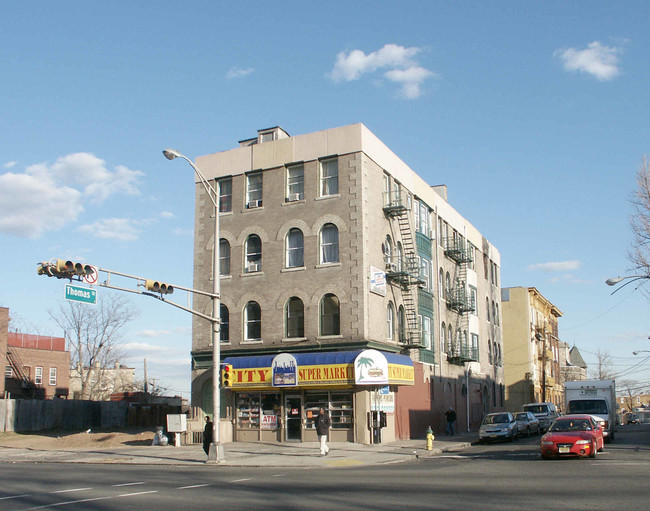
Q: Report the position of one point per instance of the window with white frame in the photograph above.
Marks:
(295, 249)
(224, 257)
(254, 190)
(295, 183)
(443, 337)
(398, 256)
(329, 177)
(473, 294)
(38, 375)
(225, 195)
(475, 344)
(387, 189)
(52, 376)
(426, 332)
(425, 227)
(390, 321)
(9, 372)
(253, 254)
(329, 244)
(252, 322)
(425, 273)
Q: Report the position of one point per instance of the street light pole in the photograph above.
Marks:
(616, 280)
(640, 351)
(216, 453)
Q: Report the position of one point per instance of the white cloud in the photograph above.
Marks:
(556, 266)
(167, 214)
(239, 72)
(141, 346)
(10, 164)
(597, 60)
(152, 333)
(47, 197)
(120, 229)
(398, 60)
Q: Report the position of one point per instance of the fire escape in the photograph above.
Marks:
(461, 302)
(28, 386)
(403, 270)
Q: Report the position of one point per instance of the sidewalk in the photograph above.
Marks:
(240, 454)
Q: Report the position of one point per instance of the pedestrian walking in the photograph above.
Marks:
(451, 421)
(207, 434)
(322, 428)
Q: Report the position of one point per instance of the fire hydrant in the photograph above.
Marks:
(430, 439)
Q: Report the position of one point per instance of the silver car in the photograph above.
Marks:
(527, 423)
(498, 426)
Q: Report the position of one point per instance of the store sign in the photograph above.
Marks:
(285, 370)
(371, 368)
(377, 281)
(270, 421)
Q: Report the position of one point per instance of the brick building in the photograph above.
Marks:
(4, 329)
(37, 367)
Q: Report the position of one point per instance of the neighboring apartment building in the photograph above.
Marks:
(346, 282)
(102, 381)
(532, 348)
(572, 365)
(37, 367)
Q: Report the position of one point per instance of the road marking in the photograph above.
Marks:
(137, 493)
(240, 480)
(71, 490)
(193, 486)
(126, 484)
(278, 475)
(69, 502)
(14, 497)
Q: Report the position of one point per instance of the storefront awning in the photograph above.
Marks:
(342, 369)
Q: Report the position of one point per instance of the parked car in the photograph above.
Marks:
(572, 435)
(498, 426)
(546, 413)
(632, 418)
(527, 423)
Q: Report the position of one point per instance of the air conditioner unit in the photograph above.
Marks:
(391, 267)
(254, 204)
(293, 197)
(253, 267)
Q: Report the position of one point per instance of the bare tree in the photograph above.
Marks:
(603, 369)
(639, 253)
(93, 334)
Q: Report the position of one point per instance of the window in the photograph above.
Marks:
(224, 328)
(329, 177)
(225, 195)
(295, 249)
(450, 337)
(474, 299)
(329, 243)
(224, 257)
(330, 315)
(474, 345)
(254, 190)
(489, 352)
(423, 217)
(426, 332)
(38, 376)
(425, 267)
(398, 256)
(487, 307)
(9, 372)
(252, 322)
(496, 314)
(295, 183)
(295, 318)
(52, 376)
(253, 254)
(387, 250)
(401, 324)
(441, 278)
(447, 285)
(387, 201)
(443, 337)
(390, 320)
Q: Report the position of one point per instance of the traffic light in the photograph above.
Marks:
(63, 268)
(227, 376)
(159, 287)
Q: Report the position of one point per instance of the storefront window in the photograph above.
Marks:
(271, 411)
(248, 411)
(339, 405)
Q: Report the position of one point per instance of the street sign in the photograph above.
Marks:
(80, 294)
(92, 277)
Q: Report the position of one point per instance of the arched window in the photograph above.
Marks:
(487, 307)
(443, 337)
(398, 256)
(447, 285)
(401, 324)
(224, 257)
(387, 249)
(294, 318)
(295, 249)
(329, 244)
(496, 315)
(252, 322)
(330, 315)
(253, 254)
(441, 281)
(450, 337)
(390, 320)
(489, 352)
(224, 327)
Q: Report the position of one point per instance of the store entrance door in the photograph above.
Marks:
(293, 418)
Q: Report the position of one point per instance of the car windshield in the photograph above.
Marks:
(536, 408)
(521, 417)
(587, 406)
(496, 419)
(561, 425)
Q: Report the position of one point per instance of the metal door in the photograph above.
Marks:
(293, 417)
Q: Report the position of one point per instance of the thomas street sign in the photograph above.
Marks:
(80, 294)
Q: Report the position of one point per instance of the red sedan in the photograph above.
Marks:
(572, 435)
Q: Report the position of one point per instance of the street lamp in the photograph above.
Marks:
(616, 280)
(640, 351)
(215, 454)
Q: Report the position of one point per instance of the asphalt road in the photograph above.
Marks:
(505, 476)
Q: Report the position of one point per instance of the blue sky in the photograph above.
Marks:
(534, 114)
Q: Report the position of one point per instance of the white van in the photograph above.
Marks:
(545, 412)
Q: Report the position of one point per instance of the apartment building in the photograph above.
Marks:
(532, 348)
(346, 282)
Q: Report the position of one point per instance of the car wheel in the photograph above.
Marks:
(592, 454)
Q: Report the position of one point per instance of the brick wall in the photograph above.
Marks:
(4, 327)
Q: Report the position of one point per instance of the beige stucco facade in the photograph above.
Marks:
(366, 170)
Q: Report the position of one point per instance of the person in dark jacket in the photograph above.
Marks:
(451, 421)
(207, 434)
(322, 428)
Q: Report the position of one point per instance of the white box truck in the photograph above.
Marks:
(593, 397)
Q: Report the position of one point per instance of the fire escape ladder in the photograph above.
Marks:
(18, 367)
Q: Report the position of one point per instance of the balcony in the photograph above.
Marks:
(461, 354)
(404, 270)
(456, 249)
(395, 203)
(459, 300)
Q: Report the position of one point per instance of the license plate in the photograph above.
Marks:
(493, 435)
(565, 450)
